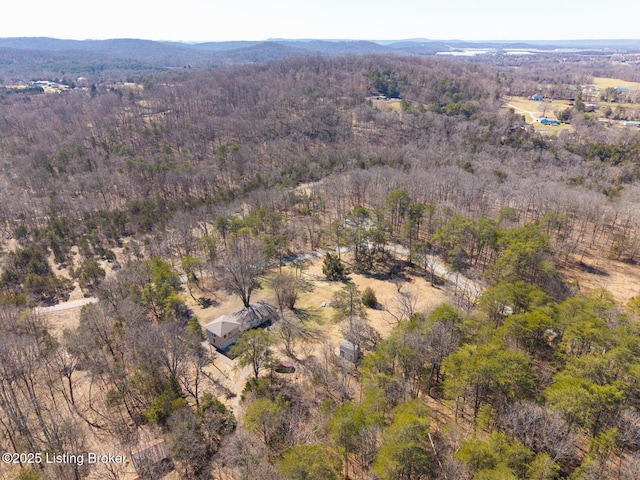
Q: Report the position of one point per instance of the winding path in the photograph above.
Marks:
(533, 115)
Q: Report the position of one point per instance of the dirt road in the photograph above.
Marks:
(533, 115)
(71, 304)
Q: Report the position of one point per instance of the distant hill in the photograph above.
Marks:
(413, 47)
(342, 47)
(259, 52)
(159, 53)
(42, 55)
(223, 46)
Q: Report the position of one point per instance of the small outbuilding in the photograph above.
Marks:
(285, 366)
(150, 460)
(549, 121)
(349, 351)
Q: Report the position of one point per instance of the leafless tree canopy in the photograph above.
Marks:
(215, 178)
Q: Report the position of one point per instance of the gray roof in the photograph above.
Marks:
(252, 316)
(244, 319)
(346, 345)
(220, 326)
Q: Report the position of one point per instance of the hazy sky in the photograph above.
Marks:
(216, 20)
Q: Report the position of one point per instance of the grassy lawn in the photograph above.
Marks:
(391, 104)
(551, 130)
(533, 110)
(538, 108)
(604, 83)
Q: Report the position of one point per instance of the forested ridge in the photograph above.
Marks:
(159, 191)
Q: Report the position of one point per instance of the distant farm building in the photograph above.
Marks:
(536, 98)
(631, 123)
(622, 89)
(224, 330)
(549, 121)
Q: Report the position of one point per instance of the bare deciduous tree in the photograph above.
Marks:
(540, 430)
(240, 265)
(403, 305)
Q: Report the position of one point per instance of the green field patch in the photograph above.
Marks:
(603, 83)
(552, 130)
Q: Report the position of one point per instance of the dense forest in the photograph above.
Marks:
(153, 191)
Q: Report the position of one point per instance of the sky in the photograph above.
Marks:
(224, 20)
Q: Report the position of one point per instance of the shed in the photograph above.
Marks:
(151, 460)
(285, 366)
(349, 351)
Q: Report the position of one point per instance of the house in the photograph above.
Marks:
(536, 97)
(349, 351)
(549, 121)
(223, 331)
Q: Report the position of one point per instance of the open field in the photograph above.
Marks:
(552, 130)
(323, 290)
(620, 279)
(533, 111)
(388, 105)
(603, 83)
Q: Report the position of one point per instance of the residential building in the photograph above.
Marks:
(224, 330)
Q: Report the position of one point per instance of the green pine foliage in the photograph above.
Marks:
(332, 267)
(369, 298)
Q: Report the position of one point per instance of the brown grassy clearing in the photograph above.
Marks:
(388, 105)
(533, 111)
(322, 319)
(621, 279)
(604, 83)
